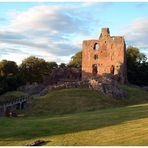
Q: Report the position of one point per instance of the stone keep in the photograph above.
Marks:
(103, 56)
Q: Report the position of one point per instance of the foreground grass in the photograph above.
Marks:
(115, 126)
(79, 100)
(116, 122)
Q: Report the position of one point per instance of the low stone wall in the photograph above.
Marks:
(104, 84)
(65, 85)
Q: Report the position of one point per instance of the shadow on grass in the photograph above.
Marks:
(36, 127)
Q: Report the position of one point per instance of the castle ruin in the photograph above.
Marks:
(104, 56)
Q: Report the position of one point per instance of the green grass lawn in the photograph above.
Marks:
(81, 117)
(115, 126)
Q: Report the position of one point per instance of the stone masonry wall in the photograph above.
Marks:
(105, 55)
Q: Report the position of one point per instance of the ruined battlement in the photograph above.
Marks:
(104, 32)
(104, 55)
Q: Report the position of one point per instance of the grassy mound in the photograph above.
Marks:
(114, 126)
(70, 101)
(78, 100)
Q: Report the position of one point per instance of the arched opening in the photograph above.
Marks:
(96, 46)
(112, 69)
(94, 69)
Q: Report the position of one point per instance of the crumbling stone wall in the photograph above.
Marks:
(62, 75)
(104, 84)
(105, 55)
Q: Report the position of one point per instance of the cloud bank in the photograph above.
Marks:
(51, 32)
(56, 32)
(136, 33)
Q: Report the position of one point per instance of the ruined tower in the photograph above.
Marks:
(104, 55)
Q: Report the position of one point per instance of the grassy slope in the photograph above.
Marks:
(115, 126)
(69, 101)
(78, 100)
(135, 95)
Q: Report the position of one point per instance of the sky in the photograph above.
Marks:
(55, 31)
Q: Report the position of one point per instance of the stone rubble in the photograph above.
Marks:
(105, 84)
(110, 89)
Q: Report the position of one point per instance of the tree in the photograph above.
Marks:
(12, 82)
(3, 85)
(8, 76)
(137, 66)
(62, 65)
(32, 69)
(51, 66)
(8, 68)
(133, 55)
(76, 60)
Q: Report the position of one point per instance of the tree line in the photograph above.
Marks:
(33, 69)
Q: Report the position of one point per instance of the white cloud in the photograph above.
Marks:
(17, 57)
(53, 32)
(45, 31)
(137, 33)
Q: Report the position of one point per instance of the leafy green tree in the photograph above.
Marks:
(32, 69)
(8, 68)
(3, 85)
(12, 82)
(137, 66)
(62, 65)
(8, 76)
(76, 60)
(51, 66)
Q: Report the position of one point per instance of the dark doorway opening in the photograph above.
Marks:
(112, 69)
(94, 69)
